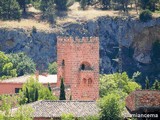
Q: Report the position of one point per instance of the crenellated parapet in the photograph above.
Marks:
(77, 40)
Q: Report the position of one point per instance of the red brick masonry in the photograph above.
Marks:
(78, 64)
(143, 98)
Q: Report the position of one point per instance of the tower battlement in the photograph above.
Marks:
(77, 39)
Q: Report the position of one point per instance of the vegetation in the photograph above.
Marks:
(22, 63)
(7, 69)
(67, 117)
(62, 90)
(61, 5)
(145, 16)
(9, 10)
(156, 85)
(22, 113)
(147, 85)
(33, 91)
(52, 68)
(111, 107)
(117, 82)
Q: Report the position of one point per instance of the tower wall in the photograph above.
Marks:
(78, 64)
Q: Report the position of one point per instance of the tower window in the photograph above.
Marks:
(89, 82)
(83, 67)
(63, 63)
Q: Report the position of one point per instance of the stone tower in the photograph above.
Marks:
(78, 64)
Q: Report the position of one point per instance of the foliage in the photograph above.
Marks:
(147, 86)
(62, 91)
(67, 117)
(83, 4)
(52, 68)
(33, 90)
(61, 5)
(48, 9)
(117, 81)
(156, 85)
(145, 15)
(9, 10)
(22, 113)
(89, 118)
(6, 67)
(149, 4)
(34, 29)
(22, 63)
(105, 3)
(111, 107)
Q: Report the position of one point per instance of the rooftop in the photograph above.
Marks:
(143, 99)
(41, 79)
(49, 109)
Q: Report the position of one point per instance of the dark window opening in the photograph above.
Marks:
(82, 67)
(17, 90)
(63, 63)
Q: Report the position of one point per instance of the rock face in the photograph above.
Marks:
(136, 39)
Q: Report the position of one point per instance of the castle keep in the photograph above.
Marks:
(78, 64)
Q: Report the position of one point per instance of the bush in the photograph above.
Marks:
(145, 16)
(52, 68)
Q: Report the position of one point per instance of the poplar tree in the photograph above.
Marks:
(62, 91)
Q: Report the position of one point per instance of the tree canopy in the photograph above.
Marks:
(117, 82)
(32, 91)
(6, 67)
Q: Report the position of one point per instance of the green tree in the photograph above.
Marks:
(145, 15)
(22, 63)
(123, 3)
(22, 113)
(67, 117)
(62, 91)
(32, 91)
(105, 3)
(49, 10)
(61, 5)
(156, 85)
(117, 82)
(52, 68)
(49, 87)
(111, 107)
(147, 86)
(83, 4)
(149, 4)
(9, 10)
(6, 67)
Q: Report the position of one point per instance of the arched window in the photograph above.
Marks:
(63, 63)
(85, 66)
(84, 81)
(89, 82)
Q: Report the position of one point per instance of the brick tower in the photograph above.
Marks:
(78, 64)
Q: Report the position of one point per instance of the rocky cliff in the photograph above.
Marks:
(136, 38)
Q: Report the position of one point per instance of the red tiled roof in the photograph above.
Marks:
(143, 99)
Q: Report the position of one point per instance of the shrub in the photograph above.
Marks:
(145, 15)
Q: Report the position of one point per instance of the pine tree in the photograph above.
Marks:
(49, 87)
(61, 5)
(27, 95)
(9, 10)
(147, 83)
(83, 4)
(36, 94)
(62, 91)
(156, 85)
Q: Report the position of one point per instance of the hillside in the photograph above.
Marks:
(137, 38)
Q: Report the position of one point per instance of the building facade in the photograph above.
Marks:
(78, 65)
